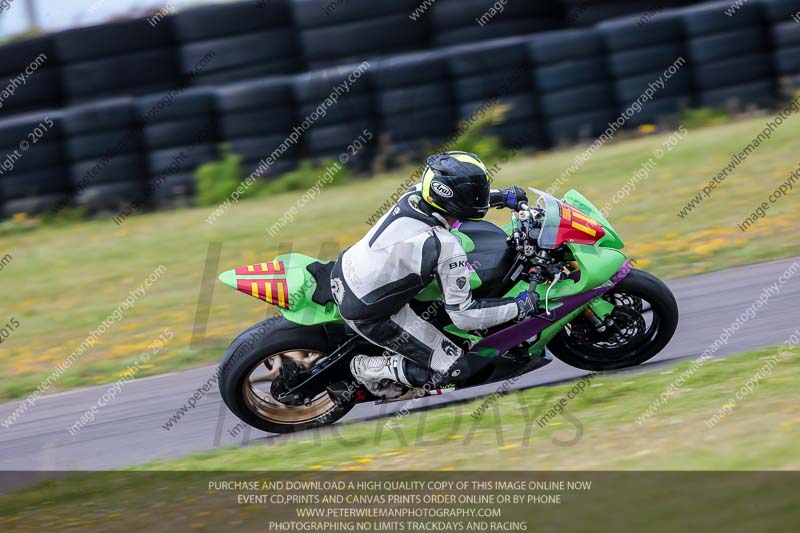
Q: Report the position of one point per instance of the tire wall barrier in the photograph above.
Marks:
(573, 82)
(730, 55)
(638, 53)
(128, 110)
(255, 117)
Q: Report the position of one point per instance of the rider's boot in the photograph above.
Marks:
(382, 376)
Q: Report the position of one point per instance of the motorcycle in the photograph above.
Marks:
(291, 372)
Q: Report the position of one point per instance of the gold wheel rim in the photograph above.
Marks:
(259, 399)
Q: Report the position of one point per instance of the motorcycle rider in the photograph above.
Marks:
(374, 280)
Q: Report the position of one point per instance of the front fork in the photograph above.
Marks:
(598, 313)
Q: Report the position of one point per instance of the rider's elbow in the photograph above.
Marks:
(463, 320)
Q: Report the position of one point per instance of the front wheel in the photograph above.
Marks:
(262, 362)
(645, 317)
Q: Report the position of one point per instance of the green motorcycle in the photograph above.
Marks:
(291, 372)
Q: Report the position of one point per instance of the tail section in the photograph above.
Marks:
(290, 282)
(265, 281)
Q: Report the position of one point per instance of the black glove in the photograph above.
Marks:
(527, 303)
(510, 197)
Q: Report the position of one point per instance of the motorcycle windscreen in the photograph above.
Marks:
(565, 223)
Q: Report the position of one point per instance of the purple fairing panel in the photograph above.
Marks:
(623, 271)
(519, 333)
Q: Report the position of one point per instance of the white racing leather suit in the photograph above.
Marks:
(374, 280)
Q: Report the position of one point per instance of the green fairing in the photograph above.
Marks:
(466, 243)
(598, 263)
(450, 328)
(302, 309)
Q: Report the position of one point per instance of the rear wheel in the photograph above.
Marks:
(263, 364)
(645, 317)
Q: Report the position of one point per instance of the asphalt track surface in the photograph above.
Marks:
(130, 431)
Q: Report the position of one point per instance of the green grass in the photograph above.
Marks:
(760, 434)
(65, 279)
(600, 431)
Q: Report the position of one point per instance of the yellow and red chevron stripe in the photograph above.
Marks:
(257, 281)
(273, 267)
(274, 291)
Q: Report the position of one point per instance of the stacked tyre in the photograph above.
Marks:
(785, 36)
(648, 64)
(256, 118)
(729, 54)
(589, 12)
(132, 57)
(469, 21)
(30, 77)
(103, 147)
(414, 103)
(32, 180)
(497, 73)
(179, 134)
(342, 31)
(573, 84)
(221, 43)
(335, 108)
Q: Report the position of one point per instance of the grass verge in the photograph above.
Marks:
(598, 432)
(64, 280)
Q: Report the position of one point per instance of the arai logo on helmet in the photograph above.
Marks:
(441, 189)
